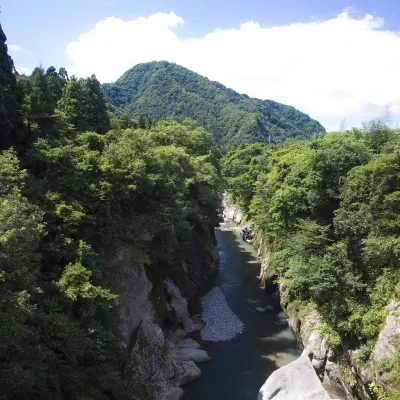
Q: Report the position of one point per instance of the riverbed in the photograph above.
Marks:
(240, 366)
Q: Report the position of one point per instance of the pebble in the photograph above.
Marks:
(222, 324)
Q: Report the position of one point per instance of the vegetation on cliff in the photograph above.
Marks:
(330, 210)
(163, 90)
(73, 190)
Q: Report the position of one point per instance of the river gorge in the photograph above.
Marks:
(240, 366)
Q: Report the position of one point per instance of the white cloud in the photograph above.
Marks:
(23, 70)
(344, 67)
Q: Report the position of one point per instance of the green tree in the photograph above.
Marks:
(83, 105)
(11, 125)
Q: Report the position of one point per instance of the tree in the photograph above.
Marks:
(42, 103)
(11, 125)
(82, 102)
(56, 82)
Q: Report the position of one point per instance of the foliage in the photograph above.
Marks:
(163, 90)
(76, 192)
(83, 104)
(330, 209)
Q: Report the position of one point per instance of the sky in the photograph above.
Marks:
(335, 60)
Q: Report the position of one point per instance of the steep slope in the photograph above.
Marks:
(163, 90)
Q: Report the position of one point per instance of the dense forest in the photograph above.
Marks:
(163, 90)
(75, 182)
(328, 210)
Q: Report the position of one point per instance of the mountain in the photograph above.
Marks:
(163, 90)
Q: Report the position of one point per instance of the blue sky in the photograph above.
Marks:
(45, 27)
(48, 32)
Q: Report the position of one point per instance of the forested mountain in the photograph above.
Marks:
(163, 90)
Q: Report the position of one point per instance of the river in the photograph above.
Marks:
(239, 367)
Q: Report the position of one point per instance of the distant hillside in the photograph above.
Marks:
(164, 90)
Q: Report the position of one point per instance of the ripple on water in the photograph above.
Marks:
(222, 323)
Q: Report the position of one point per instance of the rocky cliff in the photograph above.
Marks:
(295, 381)
(155, 321)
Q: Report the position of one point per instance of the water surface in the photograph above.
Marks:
(240, 366)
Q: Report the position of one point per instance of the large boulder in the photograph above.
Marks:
(295, 381)
(185, 370)
(149, 368)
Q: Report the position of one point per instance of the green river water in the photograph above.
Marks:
(240, 366)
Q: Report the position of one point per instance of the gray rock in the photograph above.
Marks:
(194, 324)
(333, 381)
(196, 355)
(295, 381)
(247, 233)
(177, 301)
(187, 371)
(391, 331)
(238, 217)
(155, 367)
(187, 342)
(385, 346)
(230, 212)
(133, 289)
(175, 393)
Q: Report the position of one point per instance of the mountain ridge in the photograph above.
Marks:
(164, 90)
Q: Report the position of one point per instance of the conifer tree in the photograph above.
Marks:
(84, 105)
(10, 99)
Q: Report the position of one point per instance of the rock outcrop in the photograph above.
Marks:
(295, 381)
(347, 378)
(247, 233)
(196, 355)
(385, 346)
(231, 213)
(154, 322)
(306, 324)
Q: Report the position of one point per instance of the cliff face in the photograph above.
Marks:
(155, 320)
(343, 377)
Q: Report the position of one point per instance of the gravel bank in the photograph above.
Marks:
(221, 322)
